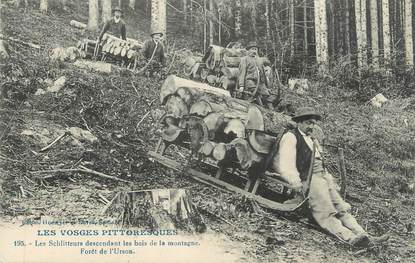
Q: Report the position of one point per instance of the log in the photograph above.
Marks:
(212, 79)
(230, 72)
(214, 121)
(35, 46)
(222, 151)
(207, 148)
(94, 65)
(268, 121)
(176, 106)
(173, 83)
(231, 61)
(157, 209)
(77, 24)
(236, 127)
(124, 51)
(246, 154)
(261, 142)
(204, 107)
(117, 50)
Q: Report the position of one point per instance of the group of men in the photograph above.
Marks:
(298, 155)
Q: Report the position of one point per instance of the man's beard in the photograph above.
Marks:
(117, 19)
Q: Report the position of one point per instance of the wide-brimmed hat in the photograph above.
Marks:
(117, 8)
(305, 113)
(251, 44)
(154, 32)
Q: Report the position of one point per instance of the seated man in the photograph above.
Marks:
(298, 155)
(153, 52)
(115, 25)
(252, 80)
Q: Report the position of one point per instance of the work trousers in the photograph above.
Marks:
(328, 208)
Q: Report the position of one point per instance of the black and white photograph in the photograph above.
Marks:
(196, 131)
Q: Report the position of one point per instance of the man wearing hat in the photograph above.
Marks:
(252, 80)
(115, 25)
(153, 52)
(298, 155)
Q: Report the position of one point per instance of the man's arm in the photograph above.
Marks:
(242, 73)
(104, 29)
(285, 161)
(146, 49)
(162, 55)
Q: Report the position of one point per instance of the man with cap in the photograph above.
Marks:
(115, 25)
(252, 81)
(153, 52)
(298, 155)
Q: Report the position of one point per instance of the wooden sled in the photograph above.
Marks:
(231, 179)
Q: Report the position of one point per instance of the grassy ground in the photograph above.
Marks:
(379, 147)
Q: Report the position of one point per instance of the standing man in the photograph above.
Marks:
(115, 25)
(298, 155)
(253, 83)
(153, 52)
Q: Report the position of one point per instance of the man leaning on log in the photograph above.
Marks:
(115, 25)
(153, 52)
(253, 82)
(299, 156)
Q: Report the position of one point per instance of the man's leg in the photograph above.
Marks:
(324, 211)
(342, 207)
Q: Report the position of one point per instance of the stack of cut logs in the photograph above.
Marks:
(111, 47)
(219, 66)
(231, 131)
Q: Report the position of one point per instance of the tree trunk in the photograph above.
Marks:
(409, 48)
(361, 35)
(43, 6)
(292, 28)
(320, 18)
(93, 15)
(305, 29)
(238, 19)
(106, 10)
(253, 19)
(374, 32)
(158, 16)
(268, 121)
(386, 32)
(211, 27)
(204, 25)
(185, 10)
(347, 28)
(3, 50)
(267, 24)
(132, 4)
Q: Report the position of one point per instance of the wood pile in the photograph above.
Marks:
(112, 48)
(219, 67)
(230, 131)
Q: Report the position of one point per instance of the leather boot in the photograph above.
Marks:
(361, 241)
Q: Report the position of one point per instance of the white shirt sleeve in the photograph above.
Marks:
(285, 160)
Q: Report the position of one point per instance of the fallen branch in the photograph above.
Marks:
(216, 216)
(20, 41)
(103, 198)
(54, 142)
(109, 204)
(143, 118)
(82, 170)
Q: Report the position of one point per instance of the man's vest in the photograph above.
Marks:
(304, 154)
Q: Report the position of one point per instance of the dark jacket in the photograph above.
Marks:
(116, 29)
(251, 68)
(150, 47)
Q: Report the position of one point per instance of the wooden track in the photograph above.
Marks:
(211, 180)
